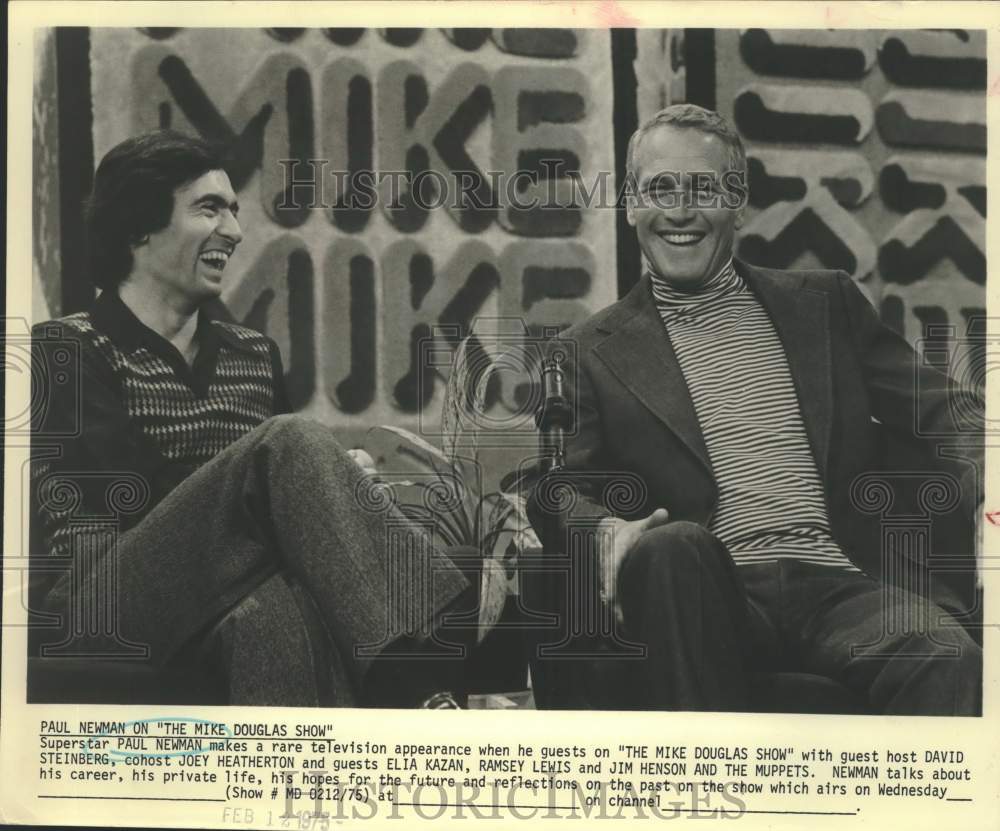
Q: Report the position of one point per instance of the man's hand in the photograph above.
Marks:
(616, 538)
(364, 461)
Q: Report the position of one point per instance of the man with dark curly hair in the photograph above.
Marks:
(181, 430)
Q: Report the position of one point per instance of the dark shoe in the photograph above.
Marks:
(441, 701)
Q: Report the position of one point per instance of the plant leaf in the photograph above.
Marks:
(441, 491)
(492, 597)
(465, 396)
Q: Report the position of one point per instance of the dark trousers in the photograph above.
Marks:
(284, 501)
(708, 624)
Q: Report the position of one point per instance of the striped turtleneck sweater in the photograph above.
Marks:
(771, 505)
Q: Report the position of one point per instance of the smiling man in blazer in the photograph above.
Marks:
(748, 402)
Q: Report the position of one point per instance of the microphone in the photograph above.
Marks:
(555, 417)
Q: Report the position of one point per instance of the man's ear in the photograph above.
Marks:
(631, 198)
(630, 209)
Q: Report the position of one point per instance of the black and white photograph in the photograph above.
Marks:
(620, 383)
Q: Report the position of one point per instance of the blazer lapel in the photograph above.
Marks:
(801, 319)
(639, 353)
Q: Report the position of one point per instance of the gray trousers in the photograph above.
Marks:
(280, 528)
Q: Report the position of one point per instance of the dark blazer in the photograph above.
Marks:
(856, 381)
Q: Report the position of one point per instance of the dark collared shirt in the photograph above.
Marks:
(119, 419)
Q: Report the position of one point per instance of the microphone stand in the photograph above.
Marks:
(554, 419)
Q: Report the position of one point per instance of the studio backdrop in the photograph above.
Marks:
(867, 153)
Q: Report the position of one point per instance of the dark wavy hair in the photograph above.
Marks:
(133, 195)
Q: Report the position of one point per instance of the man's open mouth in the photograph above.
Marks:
(215, 260)
(682, 238)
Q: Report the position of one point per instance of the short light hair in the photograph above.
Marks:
(696, 118)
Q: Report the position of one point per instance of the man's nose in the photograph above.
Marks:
(680, 212)
(229, 227)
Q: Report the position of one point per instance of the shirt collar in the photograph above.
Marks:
(669, 298)
(115, 319)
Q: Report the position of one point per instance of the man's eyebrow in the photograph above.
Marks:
(217, 200)
(659, 179)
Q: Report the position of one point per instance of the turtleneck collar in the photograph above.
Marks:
(670, 299)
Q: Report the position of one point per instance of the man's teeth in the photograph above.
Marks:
(216, 259)
(682, 239)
